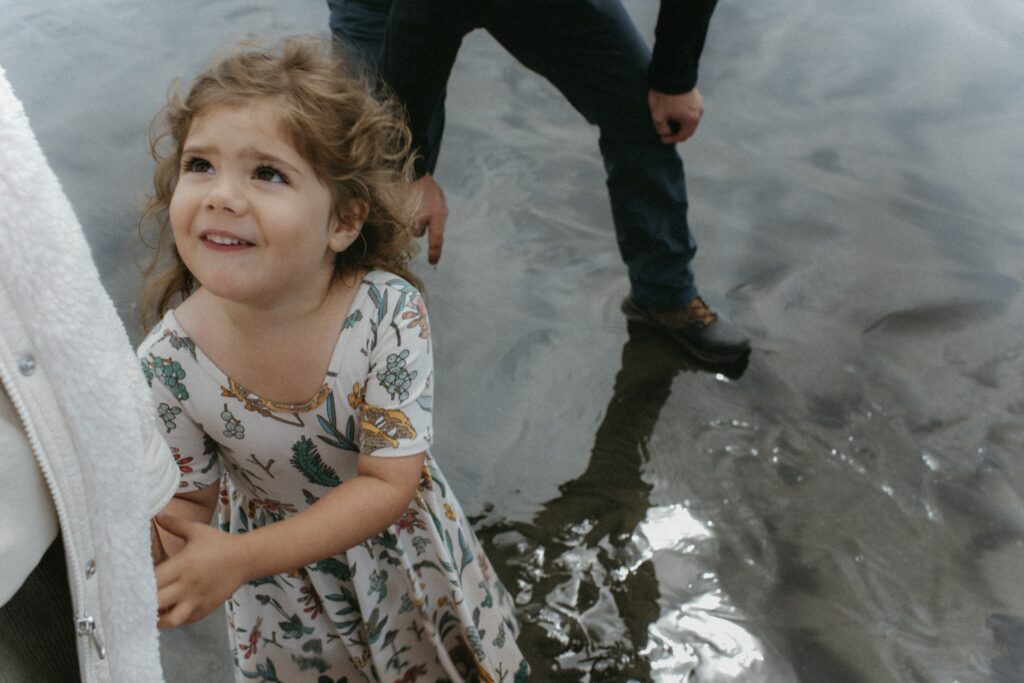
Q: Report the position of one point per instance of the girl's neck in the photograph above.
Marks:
(248, 342)
(272, 317)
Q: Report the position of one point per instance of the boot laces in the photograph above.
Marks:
(699, 314)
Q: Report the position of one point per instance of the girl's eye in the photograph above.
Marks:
(270, 174)
(196, 165)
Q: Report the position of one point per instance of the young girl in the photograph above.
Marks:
(294, 385)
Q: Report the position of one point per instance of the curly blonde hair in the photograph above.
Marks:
(359, 146)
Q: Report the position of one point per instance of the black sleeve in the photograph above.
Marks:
(678, 42)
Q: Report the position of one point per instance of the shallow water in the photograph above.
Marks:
(848, 507)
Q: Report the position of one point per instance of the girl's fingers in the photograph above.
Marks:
(181, 528)
(166, 572)
(168, 596)
(177, 616)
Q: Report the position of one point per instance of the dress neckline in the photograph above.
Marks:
(252, 400)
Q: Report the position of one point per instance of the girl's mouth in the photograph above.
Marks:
(222, 242)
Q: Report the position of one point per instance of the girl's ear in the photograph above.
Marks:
(346, 225)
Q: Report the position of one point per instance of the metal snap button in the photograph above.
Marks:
(27, 364)
(90, 569)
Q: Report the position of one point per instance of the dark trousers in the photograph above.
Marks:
(37, 630)
(591, 51)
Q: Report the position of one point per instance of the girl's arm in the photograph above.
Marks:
(213, 564)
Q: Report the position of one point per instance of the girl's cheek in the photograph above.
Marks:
(177, 210)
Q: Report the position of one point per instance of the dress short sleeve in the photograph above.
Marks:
(195, 453)
(396, 406)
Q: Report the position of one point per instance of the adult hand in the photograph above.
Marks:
(198, 579)
(433, 214)
(684, 109)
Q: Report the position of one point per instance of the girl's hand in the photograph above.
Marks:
(198, 579)
(155, 544)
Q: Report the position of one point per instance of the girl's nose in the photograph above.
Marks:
(225, 195)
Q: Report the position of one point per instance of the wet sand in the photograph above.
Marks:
(846, 508)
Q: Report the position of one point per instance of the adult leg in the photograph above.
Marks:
(591, 51)
(359, 26)
(390, 37)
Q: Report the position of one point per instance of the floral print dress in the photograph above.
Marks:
(417, 602)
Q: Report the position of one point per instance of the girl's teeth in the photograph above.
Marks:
(217, 239)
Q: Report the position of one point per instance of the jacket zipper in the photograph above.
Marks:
(86, 625)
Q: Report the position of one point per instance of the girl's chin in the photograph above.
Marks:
(235, 292)
(229, 287)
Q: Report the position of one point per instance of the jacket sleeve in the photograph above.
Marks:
(678, 42)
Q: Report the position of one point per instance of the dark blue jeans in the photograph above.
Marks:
(591, 51)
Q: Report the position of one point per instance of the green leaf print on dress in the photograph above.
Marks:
(395, 377)
(232, 425)
(266, 672)
(388, 549)
(352, 319)
(178, 342)
(306, 663)
(170, 372)
(306, 459)
(335, 568)
(380, 301)
(294, 628)
(147, 372)
(350, 606)
(406, 289)
(346, 441)
(167, 413)
(379, 584)
(211, 449)
(375, 625)
(467, 553)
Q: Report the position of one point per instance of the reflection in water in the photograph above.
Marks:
(587, 570)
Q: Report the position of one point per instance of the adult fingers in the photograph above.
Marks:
(661, 124)
(420, 227)
(435, 239)
(686, 129)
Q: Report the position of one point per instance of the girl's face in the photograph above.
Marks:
(251, 218)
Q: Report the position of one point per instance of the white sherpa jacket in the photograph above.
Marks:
(66, 362)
